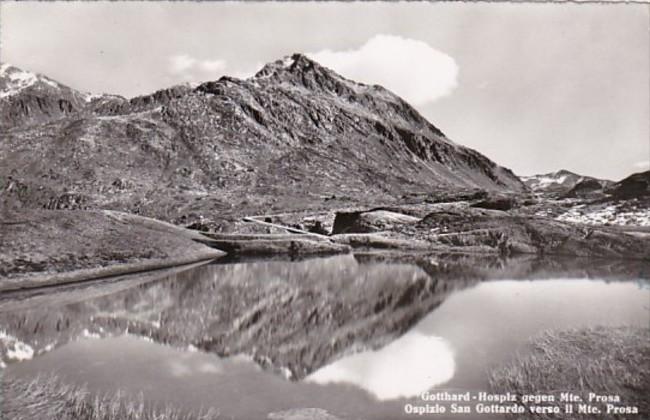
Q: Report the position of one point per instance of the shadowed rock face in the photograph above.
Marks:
(296, 135)
(588, 188)
(369, 221)
(634, 186)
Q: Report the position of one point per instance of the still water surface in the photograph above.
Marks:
(452, 347)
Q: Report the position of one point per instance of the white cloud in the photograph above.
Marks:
(189, 68)
(410, 68)
(212, 65)
(181, 63)
(644, 164)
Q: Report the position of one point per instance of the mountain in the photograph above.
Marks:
(30, 98)
(564, 183)
(593, 201)
(634, 186)
(295, 135)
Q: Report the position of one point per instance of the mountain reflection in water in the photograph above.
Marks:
(367, 334)
(481, 327)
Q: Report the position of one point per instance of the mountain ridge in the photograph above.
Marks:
(294, 133)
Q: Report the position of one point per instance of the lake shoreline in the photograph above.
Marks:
(55, 247)
(74, 277)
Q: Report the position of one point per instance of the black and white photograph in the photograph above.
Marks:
(287, 210)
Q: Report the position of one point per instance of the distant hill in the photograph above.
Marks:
(295, 135)
(634, 186)
(565, 183)
(625, 203)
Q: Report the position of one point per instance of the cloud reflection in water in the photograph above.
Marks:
(405, 368)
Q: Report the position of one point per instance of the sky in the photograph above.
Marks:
(535, 87)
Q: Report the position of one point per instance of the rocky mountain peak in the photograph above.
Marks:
(290, 64)
(28, 98)
(14, 80)
(564, 172)
(302, 72)
(564, 183)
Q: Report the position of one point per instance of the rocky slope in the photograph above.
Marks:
(296, 135)
(39, 247)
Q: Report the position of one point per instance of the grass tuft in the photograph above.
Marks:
(602, 360)
(47, 397)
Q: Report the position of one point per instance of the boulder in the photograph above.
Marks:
(370, 221)
(497, 202)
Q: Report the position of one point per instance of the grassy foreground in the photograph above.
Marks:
(49, 398)
(600, 360)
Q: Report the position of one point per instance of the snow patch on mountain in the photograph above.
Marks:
(288, 61)
(51, 83)
(89, 97)
(14, 80)
(543, 181)
(621, 214)
(3, 68)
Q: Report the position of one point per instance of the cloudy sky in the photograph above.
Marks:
(536, 87)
